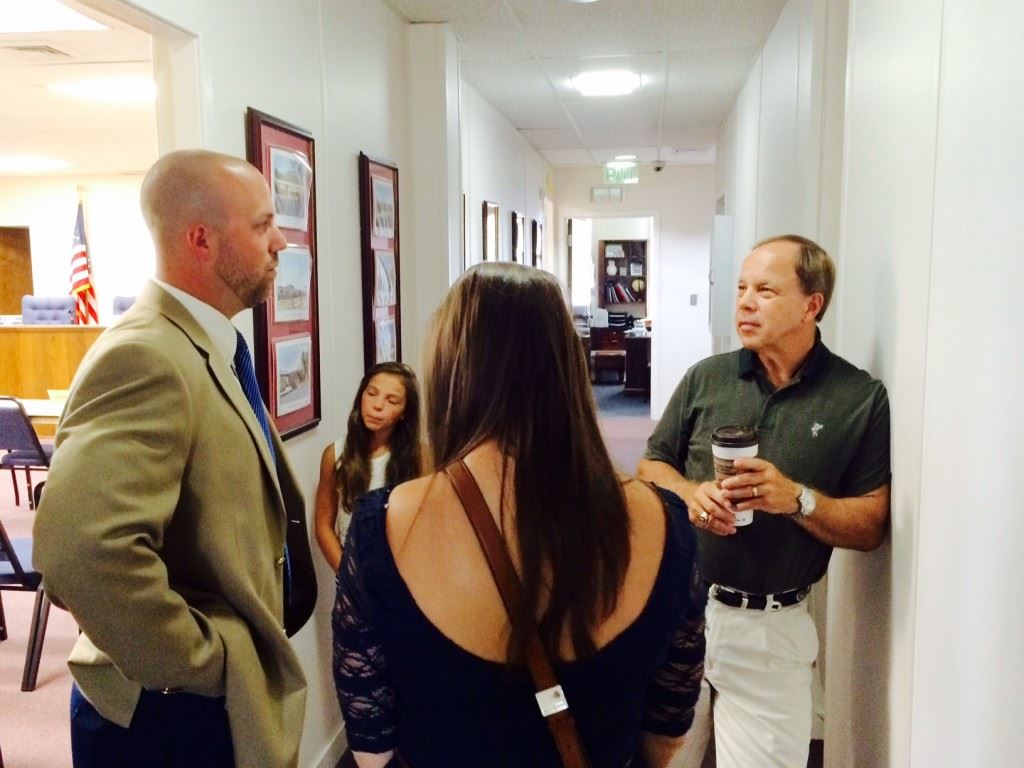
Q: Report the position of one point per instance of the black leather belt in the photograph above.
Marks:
(737, 599)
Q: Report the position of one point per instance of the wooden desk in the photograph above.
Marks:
(638, 365)
(43, 414)
(41, 357)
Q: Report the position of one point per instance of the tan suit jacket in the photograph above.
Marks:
(162, 529)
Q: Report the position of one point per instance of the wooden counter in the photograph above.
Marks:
(35, 358)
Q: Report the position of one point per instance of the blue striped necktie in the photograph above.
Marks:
(247, 378)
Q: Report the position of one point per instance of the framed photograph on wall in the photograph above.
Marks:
(518, 237)
(286, 352)
(382, 290)
(492, 230)
(537, 243)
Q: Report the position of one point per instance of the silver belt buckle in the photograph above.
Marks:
(552, 700)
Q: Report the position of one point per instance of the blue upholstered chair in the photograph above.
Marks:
(47, 310)
(17, 574)
(23, 448)
(122, 304)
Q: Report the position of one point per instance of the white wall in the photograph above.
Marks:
(681, 202)
(119, 245)
(779, 155)
(434, 223)
(498, 166)
(783, 132)
(923, 655)
(932, 227)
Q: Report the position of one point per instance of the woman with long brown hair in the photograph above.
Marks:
(426, 661)
(381, 447)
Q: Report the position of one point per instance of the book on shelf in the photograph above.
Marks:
(617, 293)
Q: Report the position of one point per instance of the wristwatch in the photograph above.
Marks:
(806, 502)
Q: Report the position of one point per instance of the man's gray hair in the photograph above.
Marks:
(814, 268)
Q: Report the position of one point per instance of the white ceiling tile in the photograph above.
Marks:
(721, 72)
(534, 115)
(607, 112)
(514, 80)
(565, 138)
(519, 55)
(567, 157)
(694, 25)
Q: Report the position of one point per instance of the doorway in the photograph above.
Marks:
(620, 375)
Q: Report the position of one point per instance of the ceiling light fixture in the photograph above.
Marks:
(31, 164)
(19, 17)
(613, 82)
(582, 2)
(625, 157)
(113, 90)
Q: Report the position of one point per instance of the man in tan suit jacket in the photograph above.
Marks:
(164, 521)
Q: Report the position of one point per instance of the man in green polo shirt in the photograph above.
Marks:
(820, 480)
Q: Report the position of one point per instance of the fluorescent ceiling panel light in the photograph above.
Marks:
(21, 16)
(31, 164)
(625, 157)
(613, 82)
(113, 90)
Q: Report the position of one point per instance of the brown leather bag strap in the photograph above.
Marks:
(550, 697)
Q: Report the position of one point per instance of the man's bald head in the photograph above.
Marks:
(212, 220)
(186, 187)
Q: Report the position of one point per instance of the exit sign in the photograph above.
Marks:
(620, 172)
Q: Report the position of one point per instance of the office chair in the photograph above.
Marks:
(122, 304)
(47, 310)
(23, 447)
(607, 352)
(17, 574)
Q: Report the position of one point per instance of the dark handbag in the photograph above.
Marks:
(550, 697)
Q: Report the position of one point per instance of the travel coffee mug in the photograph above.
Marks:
(729, 443)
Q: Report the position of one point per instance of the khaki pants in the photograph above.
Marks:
(759, 665)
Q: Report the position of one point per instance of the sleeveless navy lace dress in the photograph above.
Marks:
(404, 685)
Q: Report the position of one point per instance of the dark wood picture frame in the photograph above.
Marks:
(287, 327)
(536, 243)
(491, 231)
(381, 268)
(518, 237)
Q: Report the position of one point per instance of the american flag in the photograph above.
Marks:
(81, 276)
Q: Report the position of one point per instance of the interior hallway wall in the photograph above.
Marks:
(779, 152)
(498, 166)
(681, 201)
(930, 299)
(779, 159)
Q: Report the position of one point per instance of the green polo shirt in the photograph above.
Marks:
(828, 429)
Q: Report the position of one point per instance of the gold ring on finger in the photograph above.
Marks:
(754, 492)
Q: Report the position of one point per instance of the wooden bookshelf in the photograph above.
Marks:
(622, 275)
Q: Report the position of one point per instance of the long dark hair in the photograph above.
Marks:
(353, 466)
(507, 365)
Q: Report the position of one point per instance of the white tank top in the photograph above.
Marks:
(378, 476)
